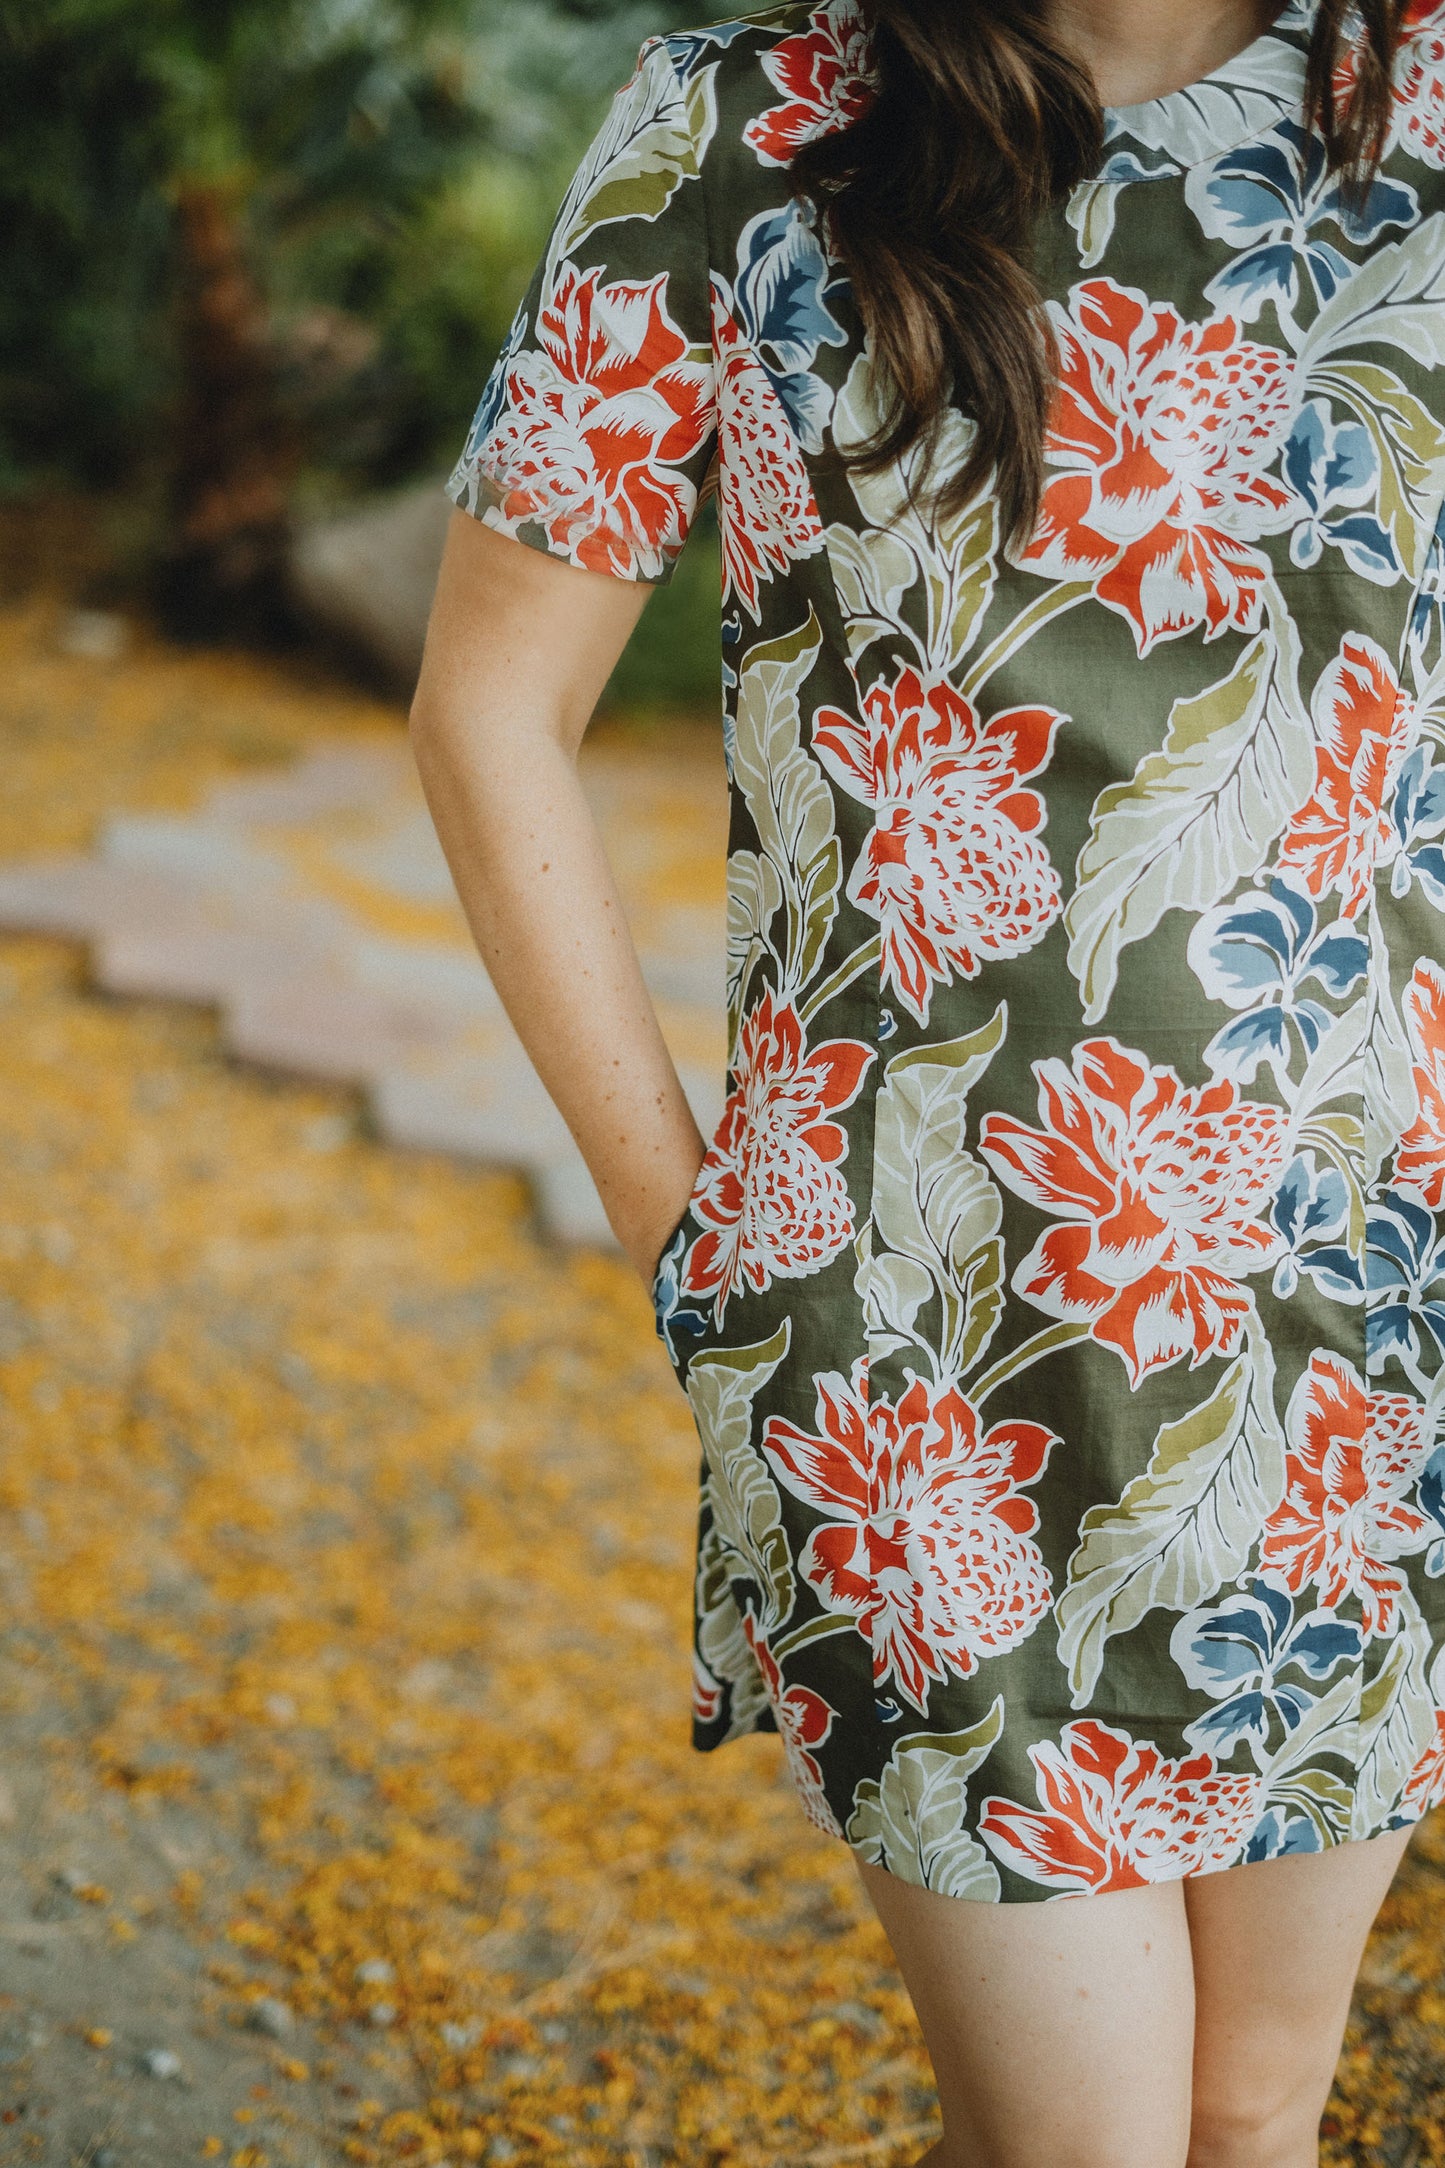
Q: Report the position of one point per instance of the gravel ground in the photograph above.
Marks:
(346, 1806)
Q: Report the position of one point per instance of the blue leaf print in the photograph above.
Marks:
(1277, 1833)
(690, 50)
(1124, 166)
(1236, 1653)
(1334, 470)
(1428, 866)
(1404, 1280)
(1432, 1501)
(1257, 954)
(1427, 618)
(1312, 1204)
(1268, 200)
(785, 283)
(667, 1296)
(494, 391)
(1418, 817)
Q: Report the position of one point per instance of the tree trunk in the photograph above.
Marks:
(222, 572)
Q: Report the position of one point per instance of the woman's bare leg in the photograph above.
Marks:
(1060, 2032)
(1277, 1946)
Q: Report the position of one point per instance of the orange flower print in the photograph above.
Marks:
(707, 1694)
(1162, 436)
(766, 507)
(1353, 1456)
(597, 423)
(1161, 1187)
(1420, 1157)
(928, 1541)
(1425, 1787)
(954, 869)
(825, 74)
(804, 1721)
(771, 1195)
(1116, 1813)
(1419, 117)
(1362, 726)
(1420, 96)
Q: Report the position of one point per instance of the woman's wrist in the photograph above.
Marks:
(648, 1226)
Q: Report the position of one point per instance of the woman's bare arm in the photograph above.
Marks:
(518, 651)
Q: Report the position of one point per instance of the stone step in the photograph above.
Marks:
(314, 908)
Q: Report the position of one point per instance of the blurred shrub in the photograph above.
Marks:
(674, 659)
(256, 246)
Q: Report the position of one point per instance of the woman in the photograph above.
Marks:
(1058, 1297)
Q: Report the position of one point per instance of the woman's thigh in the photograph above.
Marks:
(1277, 1946)
(1059, 2031)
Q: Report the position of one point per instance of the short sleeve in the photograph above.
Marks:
(596, 430)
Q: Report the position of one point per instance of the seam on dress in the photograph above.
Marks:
(870, 1220)
(1379, 956)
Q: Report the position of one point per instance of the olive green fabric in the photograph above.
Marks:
(1062, 1300)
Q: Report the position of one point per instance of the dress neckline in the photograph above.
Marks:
(1270, 70)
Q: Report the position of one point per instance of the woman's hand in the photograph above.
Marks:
(518, 651)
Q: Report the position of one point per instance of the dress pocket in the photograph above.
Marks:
(672, 1312)
(668, 1247)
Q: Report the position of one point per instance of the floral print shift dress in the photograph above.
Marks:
(1062, 1300)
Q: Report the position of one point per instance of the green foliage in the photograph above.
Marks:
(394, 160)
(674, 659)
(393, 166)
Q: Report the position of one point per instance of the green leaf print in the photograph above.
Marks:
(1392, 300)
(933, 1201)
(1198, 815)
(956, 556)
(1377, 1732)
(1091, 212)
(721, 1643)
(722, 1384)
(1326, 1726)
(1295, 1776)
(650, 143)
(1397, 1720)
(1323, 1797)
(872, 571)
(755, 897)
(791, 805)
(1390, 1101)
(1182, 1528)
(818, 905)
(914, 1819)
(1333, 1072)
(894, 1290)
(1411, 447)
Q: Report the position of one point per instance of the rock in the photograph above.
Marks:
(382, 2014)
(376, 1972)
(161, 2063)
(271, 2016)
(367, 577)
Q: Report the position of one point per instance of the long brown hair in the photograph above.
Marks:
(980, 120)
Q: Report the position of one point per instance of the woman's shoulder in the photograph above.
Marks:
(767, 82)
